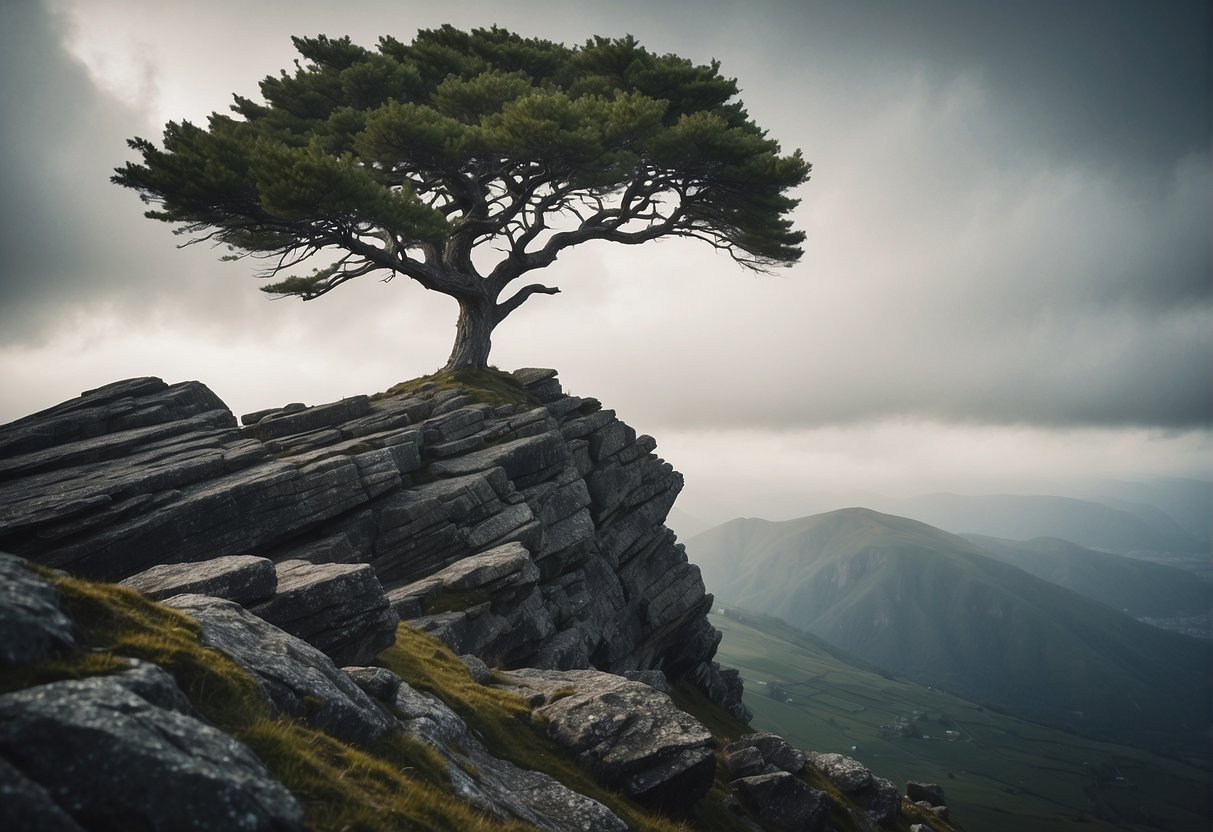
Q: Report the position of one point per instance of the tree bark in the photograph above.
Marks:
(473, 334)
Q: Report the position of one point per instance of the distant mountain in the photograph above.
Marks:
(1023, 517)
(934, 607)
(1188, 501)
(1139, 588)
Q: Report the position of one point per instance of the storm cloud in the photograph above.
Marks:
(1008, 232)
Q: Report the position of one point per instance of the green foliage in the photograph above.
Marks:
(405, 158)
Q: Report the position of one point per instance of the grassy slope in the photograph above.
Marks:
(913, 599)
(1000, 774)
(398, 784)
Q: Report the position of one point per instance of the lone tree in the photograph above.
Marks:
(466, 160)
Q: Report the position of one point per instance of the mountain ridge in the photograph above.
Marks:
(932, 606)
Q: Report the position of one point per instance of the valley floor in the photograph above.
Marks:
(1000, 773)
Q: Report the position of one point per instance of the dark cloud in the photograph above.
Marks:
(1008, 219)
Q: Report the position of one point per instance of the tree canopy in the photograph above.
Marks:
(418, 159)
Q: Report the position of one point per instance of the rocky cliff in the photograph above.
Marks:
(520, 527)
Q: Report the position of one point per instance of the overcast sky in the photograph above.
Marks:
(1006, 283)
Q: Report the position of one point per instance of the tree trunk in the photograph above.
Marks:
(473, 334)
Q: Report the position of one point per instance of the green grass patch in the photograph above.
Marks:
(503, 720)
(398, 783)
(489, 386)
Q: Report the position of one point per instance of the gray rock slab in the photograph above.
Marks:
(240, 578)
(784, 801)
(847, 774)
(296, 678)
(26, 805)
(108, 756)
(775, 750)
(627, 734)
(340, 608)
(32, 625)
(489, 567)
(517, 458)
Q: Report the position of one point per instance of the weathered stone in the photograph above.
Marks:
(929, 793)
(847, 774)
(509, 561)
(32, 626)
(628, 735)
(26, 805)
(533, 375)
(745, 761)
(379, 683)
(284, 422)
(499, 787)
(340, 608)
(882, 800)
(477, 669)
(653, 678)
(139, 473)
(784, 801)
(774, 749)
(240, 578)
(97, 748)
(295, 677)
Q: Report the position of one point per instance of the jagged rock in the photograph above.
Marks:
(295, 677)
(919, 827)
(499, 785)
(240, 578)
(929, 793)
(744, 761)
(627, 734)
(784, 801)
(141, 473)
(847, 774)
(880, 799)
(96, 748)
(775, 751)
(477, 669)
(379, 683)
(32, 626)
(653, 678)
(340, 608)
(723, 686)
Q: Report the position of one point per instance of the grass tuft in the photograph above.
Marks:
(489, 386)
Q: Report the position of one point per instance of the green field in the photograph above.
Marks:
(999, 773)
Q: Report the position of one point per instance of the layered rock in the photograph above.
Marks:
(139, 474)
(627, 733)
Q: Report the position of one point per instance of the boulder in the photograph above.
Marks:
(775, 751)
(847, 774)
(294, 677)
(784, 802)
(340, 608)
(28, 805)
(630, 736)
(929, 793)
(241, 578)
(114, 760)
(31, 624)
(499, 787)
